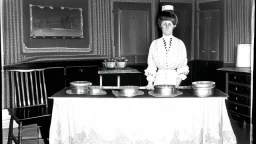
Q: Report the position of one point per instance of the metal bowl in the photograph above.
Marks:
(128, 90)
(202, 92)
(80, 84)
(203, 84)
(79, 90)
(165, 89)
(79, 87)
(95, 90)
(121, 64)
(109, 64)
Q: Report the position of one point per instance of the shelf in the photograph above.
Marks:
(236, 69)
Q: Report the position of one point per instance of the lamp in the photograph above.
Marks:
(243, 57)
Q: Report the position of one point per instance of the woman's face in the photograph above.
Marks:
(167, 27)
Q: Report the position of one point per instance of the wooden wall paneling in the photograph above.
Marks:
(82, 73)
(133, 28)
(54, 81)
(211, 32)
(236, 27)
(214, 34)
(203, 54)
(134, 33)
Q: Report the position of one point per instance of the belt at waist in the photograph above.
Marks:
(166, 71)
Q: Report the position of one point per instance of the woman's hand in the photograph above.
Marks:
(178, 81)
(150, 86)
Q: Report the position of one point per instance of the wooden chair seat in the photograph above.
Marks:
(25, 113)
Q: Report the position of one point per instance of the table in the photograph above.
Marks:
(126, 70)
(82, 119)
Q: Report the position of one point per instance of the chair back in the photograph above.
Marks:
(28, 87)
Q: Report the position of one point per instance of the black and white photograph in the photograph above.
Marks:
(127, 71)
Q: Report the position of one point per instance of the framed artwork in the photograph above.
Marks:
(55, 22)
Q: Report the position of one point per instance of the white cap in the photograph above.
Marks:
(167, 7)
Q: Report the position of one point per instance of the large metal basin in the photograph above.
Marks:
(165, 89)
(95, 90)
(202, 92)
(203, 88)
(129, 90)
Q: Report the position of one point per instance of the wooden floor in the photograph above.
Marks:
(29, 134)
(242, 134)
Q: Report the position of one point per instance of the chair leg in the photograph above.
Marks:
(10, 131)
(19, 132)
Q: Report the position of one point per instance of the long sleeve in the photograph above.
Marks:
(150, 72)
(183, 68)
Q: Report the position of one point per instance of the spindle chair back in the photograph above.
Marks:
(28, 99)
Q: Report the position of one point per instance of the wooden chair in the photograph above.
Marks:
(28, 103)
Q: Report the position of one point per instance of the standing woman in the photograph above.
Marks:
(167, 58)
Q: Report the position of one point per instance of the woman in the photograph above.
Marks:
(167, 58)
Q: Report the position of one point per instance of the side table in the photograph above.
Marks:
(105, 71)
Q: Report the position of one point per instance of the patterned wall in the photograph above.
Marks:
(237, 26)
(12, 34)
(12, 43)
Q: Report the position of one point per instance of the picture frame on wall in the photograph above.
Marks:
(55, 22)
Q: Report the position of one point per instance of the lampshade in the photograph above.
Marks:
(243, 57)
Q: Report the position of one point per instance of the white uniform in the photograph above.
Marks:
(167, 61)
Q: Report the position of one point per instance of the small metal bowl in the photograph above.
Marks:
(165, 89)
(109, 64)
(95, 90)
(121, 64)
(80, 84)
(128, 90)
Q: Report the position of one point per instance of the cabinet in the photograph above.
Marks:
(211, 31)
(238, 87)
(132, 30)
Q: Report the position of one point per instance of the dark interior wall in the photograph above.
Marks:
(59, 42)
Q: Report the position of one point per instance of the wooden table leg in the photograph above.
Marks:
(118, 80)
(100, 80)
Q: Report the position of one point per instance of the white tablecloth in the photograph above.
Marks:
(140, 121)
